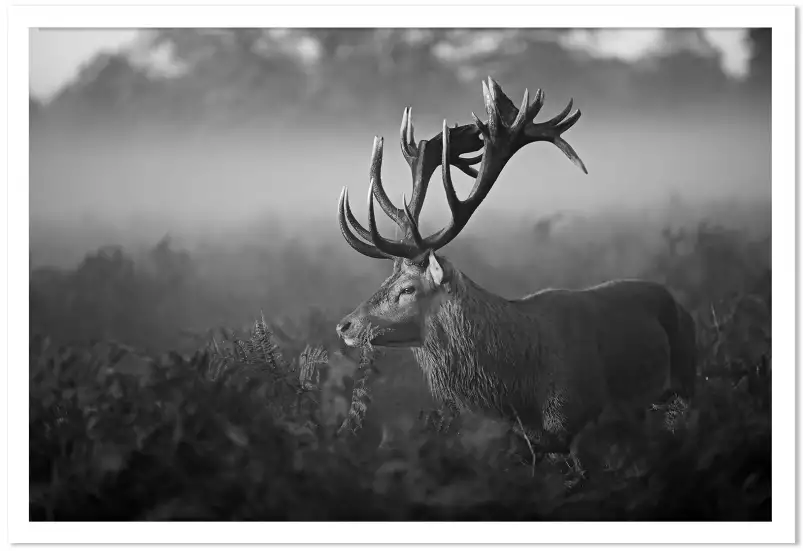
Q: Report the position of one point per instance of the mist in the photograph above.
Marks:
(145, 186)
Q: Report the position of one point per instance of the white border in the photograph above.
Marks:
(782, 21)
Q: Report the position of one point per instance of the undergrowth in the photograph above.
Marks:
(259, 424)
(236, 433)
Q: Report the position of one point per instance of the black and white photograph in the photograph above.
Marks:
(380, 272)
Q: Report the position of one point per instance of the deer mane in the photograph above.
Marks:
(475, 345)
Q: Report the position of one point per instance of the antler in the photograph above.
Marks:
(508, 129)
(423, 159)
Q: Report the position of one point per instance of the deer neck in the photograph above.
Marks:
(473, 344)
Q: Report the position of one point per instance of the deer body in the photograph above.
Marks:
(551, 362)
(555, 360)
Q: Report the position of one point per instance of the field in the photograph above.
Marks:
(208, 383)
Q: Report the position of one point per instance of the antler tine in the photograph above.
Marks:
(569, 121)
(416, 156)
(360, 246)
(522, 115)
(492, 105)
(411, 220)
(569, 151)
(461, 210)
(392, 248)
(552, 130)
(560, 116)
(446, 173)
(407, 140)
(361, 231)
(429, 157)
(396, 214)
(537, 104)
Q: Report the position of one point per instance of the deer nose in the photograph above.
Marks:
(343, 326)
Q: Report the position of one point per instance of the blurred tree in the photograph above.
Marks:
(761, 60)
(400, 64)
(219, 77)
(109, 85)
(234, 73)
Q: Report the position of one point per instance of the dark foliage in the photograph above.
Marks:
(249, 427)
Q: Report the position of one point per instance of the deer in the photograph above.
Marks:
(551, 363)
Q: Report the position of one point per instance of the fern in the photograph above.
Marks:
(262, 344)
(257, 350)
(310, 361)
(361, 394)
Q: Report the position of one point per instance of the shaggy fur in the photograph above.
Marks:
(555, 359)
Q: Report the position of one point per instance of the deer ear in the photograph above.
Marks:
(435, 269)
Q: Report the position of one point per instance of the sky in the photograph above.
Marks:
(57, 54)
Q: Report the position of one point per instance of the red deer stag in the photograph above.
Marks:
(550, 362)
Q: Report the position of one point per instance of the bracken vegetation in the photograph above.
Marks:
(134, 417)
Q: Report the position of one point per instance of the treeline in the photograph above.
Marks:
(240, 77)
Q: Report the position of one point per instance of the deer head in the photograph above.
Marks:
(396, 314)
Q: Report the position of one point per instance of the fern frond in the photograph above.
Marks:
(263, 345)
(310, 360)
(361, 393)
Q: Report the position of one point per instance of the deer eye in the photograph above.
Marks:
(407, 291)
